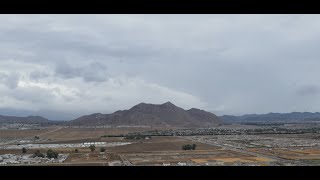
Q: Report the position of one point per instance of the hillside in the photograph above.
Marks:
(26, 120)
(272, 117)
(143, 114)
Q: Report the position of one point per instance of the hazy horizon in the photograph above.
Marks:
(64, 66)
(22, 113)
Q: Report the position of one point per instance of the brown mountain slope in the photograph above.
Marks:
(143, 114)
(27, 120)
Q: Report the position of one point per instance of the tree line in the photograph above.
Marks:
(189, 147)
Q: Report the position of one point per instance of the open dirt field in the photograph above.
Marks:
(23, 133)
(308, 151)
(87, 133)
(292, 154)
(159, 144)
(31, 151)
(233, 159)
(194, 156)
(295, 136)
(154, 151)
(84, 157)
(92, 158)
(147, 151)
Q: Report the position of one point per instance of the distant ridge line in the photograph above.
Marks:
(145, 114)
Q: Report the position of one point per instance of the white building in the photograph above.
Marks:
(182, 164)
(166, 164)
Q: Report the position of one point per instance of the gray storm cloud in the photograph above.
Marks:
(64, 66)
(10, 80)
(94, 72)
(308, 90)
(36, 75)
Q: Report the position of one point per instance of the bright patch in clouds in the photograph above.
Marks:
(79, 96)
(65, 66)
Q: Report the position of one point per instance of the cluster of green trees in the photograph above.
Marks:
(37, 153)
(93, 148)
(189, 147)
(136, 136)
(113, 135)
(52, 154)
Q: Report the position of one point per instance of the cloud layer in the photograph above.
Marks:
(64, 66)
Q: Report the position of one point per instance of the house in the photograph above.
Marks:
(182, 164)
(11, 161)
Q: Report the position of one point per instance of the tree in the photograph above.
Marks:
(76, 150)
(102, 149)
(37, 153)
(24, 150)
(51, 154)
(186, 147)
(92, 147)
(189, 147)
(194, 146)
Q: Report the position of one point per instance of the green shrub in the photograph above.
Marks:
(52, 154)
(92, 148)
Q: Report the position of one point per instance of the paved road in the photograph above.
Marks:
(125, 161)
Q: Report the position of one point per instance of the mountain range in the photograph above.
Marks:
(166, 114)
(273, 117)
(143, 114)
(29, 119)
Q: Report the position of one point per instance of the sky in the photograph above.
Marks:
(65, 66)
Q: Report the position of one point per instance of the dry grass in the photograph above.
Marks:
(82, 157)
(84, 133)
(160, 144)
(22, 133)
(233, 159)
(199, 161)
(308, 151)
(297, 154)
(197, 156)
(14, 151)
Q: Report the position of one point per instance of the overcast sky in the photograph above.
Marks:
(65, 66)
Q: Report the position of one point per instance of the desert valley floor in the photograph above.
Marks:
(232, 149)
